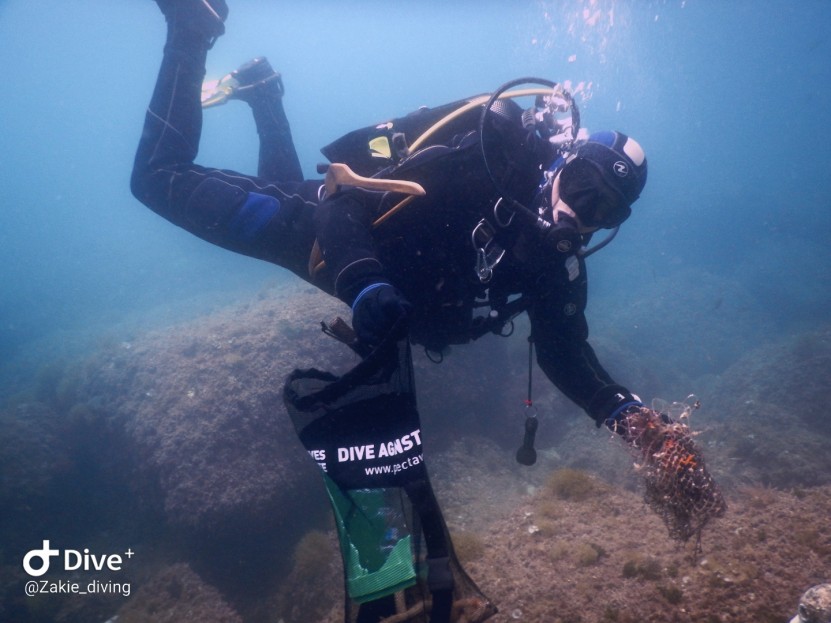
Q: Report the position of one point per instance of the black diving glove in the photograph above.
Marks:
(379, 309)
(609, 407)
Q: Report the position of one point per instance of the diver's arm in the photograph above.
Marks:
(343, 223)
(560, 334)
(379, 310)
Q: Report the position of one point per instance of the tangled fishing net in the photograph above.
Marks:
(678, 486)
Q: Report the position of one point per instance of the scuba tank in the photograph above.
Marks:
(381, 150)
(376, 150)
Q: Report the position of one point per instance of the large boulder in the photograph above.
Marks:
(687, 326)
(201, 410)
(176, 594)
(770, 412)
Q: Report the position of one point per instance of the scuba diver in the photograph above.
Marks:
(497, 210)
(436, 229)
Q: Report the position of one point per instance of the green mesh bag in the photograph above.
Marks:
(364, 432)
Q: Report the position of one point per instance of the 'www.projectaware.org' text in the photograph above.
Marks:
(396, 468)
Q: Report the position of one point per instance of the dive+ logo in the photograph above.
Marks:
(621, 169)
(44, 554)
(72, 560)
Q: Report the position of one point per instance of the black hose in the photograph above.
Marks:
(575, 125)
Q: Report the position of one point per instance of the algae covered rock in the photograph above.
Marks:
(177, 595)
(200, 405)
(771, 412)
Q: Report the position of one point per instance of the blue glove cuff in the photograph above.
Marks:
(615, 417)
(365, 291)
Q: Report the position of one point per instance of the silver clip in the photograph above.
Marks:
(488, 253)
(499, 221)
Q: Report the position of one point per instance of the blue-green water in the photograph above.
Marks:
(726, 251)
(730, 100)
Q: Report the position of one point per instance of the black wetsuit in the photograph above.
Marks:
(425, 250)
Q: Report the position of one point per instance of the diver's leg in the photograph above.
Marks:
(278, 156)
(173, 123)
(206, 17)
(262, 88)
(269, 220)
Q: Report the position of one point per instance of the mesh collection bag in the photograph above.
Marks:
(678, 485)
(364, 432)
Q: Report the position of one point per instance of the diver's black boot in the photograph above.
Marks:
(261, 88)
(202, 17)
(254, 82)
(257, 79)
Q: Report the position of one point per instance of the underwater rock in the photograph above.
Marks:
(478, 388)
(315, 582)
(684, 326)
(793, 374)
(772, 411)
(573, 484)
(39, 473)
(177, 595)
(201, 406)
(31, 454)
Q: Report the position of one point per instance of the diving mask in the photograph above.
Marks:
(593, 200)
